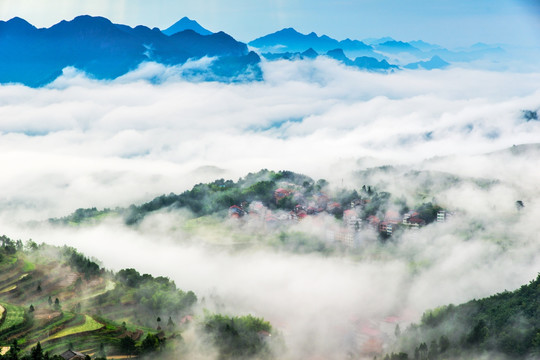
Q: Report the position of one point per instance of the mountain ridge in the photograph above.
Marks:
(105, 50)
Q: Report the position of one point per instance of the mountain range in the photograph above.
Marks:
(105, 50)
(292, 41)
(289, 40)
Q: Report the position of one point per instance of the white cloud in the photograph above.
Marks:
(306, 115)
(82, 143)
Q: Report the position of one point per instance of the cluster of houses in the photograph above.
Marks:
(348, 232)
(316, 204)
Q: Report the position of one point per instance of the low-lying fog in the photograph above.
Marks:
(85, 143)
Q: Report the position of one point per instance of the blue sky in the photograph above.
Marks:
(449, 23)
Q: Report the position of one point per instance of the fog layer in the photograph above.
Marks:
(82, 143)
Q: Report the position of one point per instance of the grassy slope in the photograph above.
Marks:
(89, 325)
(20, 275)
(14, 317)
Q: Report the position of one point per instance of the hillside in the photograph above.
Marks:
(278, 199)
(505, 326)
(59, 299)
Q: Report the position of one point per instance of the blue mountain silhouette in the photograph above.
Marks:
(393, 46)
(105, 50)
(434, 63)
(186, 23)
(290, 40)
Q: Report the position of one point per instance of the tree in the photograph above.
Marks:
(36, 353)
(13, 353)
(101, 352)
(57, 305)
(397, 331)
(127, 344)
(150, 343)
(433, 350)
(478, 334)
(444, 344)
(321, 184)
(31, 245)
(422, 351)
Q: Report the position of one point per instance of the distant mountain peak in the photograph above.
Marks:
(186, 23)
(436, 62)
(19, 24)
(18, 20)
(310, 53)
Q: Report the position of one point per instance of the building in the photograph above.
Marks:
(280, 194)
(73, 355)
(236, 212)
(351, 219)
(441, 216)
(386, 227)
(346, 236)
(412, 220)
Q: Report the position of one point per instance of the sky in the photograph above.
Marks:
(445, 22)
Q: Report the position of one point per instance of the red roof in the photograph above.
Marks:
(334, 205)
(350, 213)
(416, 220)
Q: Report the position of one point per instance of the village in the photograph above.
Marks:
(351, 215)
(347, 224)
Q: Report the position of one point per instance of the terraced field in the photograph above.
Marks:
(14, 317)
(89, 325)
(8, 289)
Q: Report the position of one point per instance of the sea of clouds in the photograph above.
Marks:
(80, 142)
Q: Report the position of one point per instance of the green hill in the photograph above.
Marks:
(505, 325)
(53, 299)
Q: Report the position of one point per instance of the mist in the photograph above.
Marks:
(84, 143)
(105, 144)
